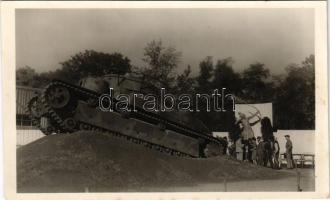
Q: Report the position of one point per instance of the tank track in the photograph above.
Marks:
(61, 127)
(37, 117)
(185, 129)
(60, 124)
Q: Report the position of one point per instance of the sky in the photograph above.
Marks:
(275, 37)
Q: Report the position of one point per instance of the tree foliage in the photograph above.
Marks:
(225, 77)
(213, 77)
(27, 76)
(185, 83)
(292, 94)
(93, 63)
(80, 65)
(161, 64)
(256, 85)
(205, 74)
(294, 103)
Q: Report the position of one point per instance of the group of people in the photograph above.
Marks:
(263, 150)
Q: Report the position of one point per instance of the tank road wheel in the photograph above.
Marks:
(70, 124)
(58, 96)
(49, 130)
(202, 147)
(162, 126)
(34, 107)
(211, 150)
(85, 127)
(45, 126)
(92, 102)
(125, 115)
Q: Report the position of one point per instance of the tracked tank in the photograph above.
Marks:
(65, 108)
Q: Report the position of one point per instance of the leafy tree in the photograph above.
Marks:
(256, 84)
(185, 84)
(225, 77)
(26, 76)
(93, 63)
(161, 64)
(218, 77)
(294, 106)
(205, 75)
(82, 64)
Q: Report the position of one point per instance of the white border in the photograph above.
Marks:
(8, 77)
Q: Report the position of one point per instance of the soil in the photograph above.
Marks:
(98, 162)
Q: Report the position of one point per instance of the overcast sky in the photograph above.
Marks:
(275, 37)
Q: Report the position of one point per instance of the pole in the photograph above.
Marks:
(298, 181)
(225, 183)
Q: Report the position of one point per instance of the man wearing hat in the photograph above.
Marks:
(288, 152)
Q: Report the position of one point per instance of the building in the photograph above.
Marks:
(26, 132)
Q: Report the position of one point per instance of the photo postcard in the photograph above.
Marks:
(165, 100)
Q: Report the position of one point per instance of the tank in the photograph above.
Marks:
(65, 108)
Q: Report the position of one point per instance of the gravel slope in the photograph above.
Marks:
(97, 162)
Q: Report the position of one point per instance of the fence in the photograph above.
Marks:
(300, 160)
(26, 136)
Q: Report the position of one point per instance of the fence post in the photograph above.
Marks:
(298, 181)
(225, 183)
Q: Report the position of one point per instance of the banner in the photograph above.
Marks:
(265, 109)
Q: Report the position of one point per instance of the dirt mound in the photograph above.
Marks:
(95, 162)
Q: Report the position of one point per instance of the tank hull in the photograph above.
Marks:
(74, 109)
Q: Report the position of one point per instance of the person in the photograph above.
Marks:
(234, 135)
(258, 139)
(276, 154)
(260, 151)
(267, 129)
(268, 153)
(268, 138)
(254, 150)
(288, 152)
(224, 152)
(206, 152)
(246, 150)
(239, 149)
(249, 153)
(247, 132)
(232, 148)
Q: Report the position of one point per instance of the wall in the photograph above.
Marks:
(27, 136)
(303, 140)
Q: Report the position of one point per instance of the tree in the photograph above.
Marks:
(93, 63)
(209, 79)
(256, 85)
(205, 75)
(185, 84)
(225, 77)
(161, 63)
(294, 106)
(26, 76)
(82, 64)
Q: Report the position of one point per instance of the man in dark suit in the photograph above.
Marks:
(288, 152)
